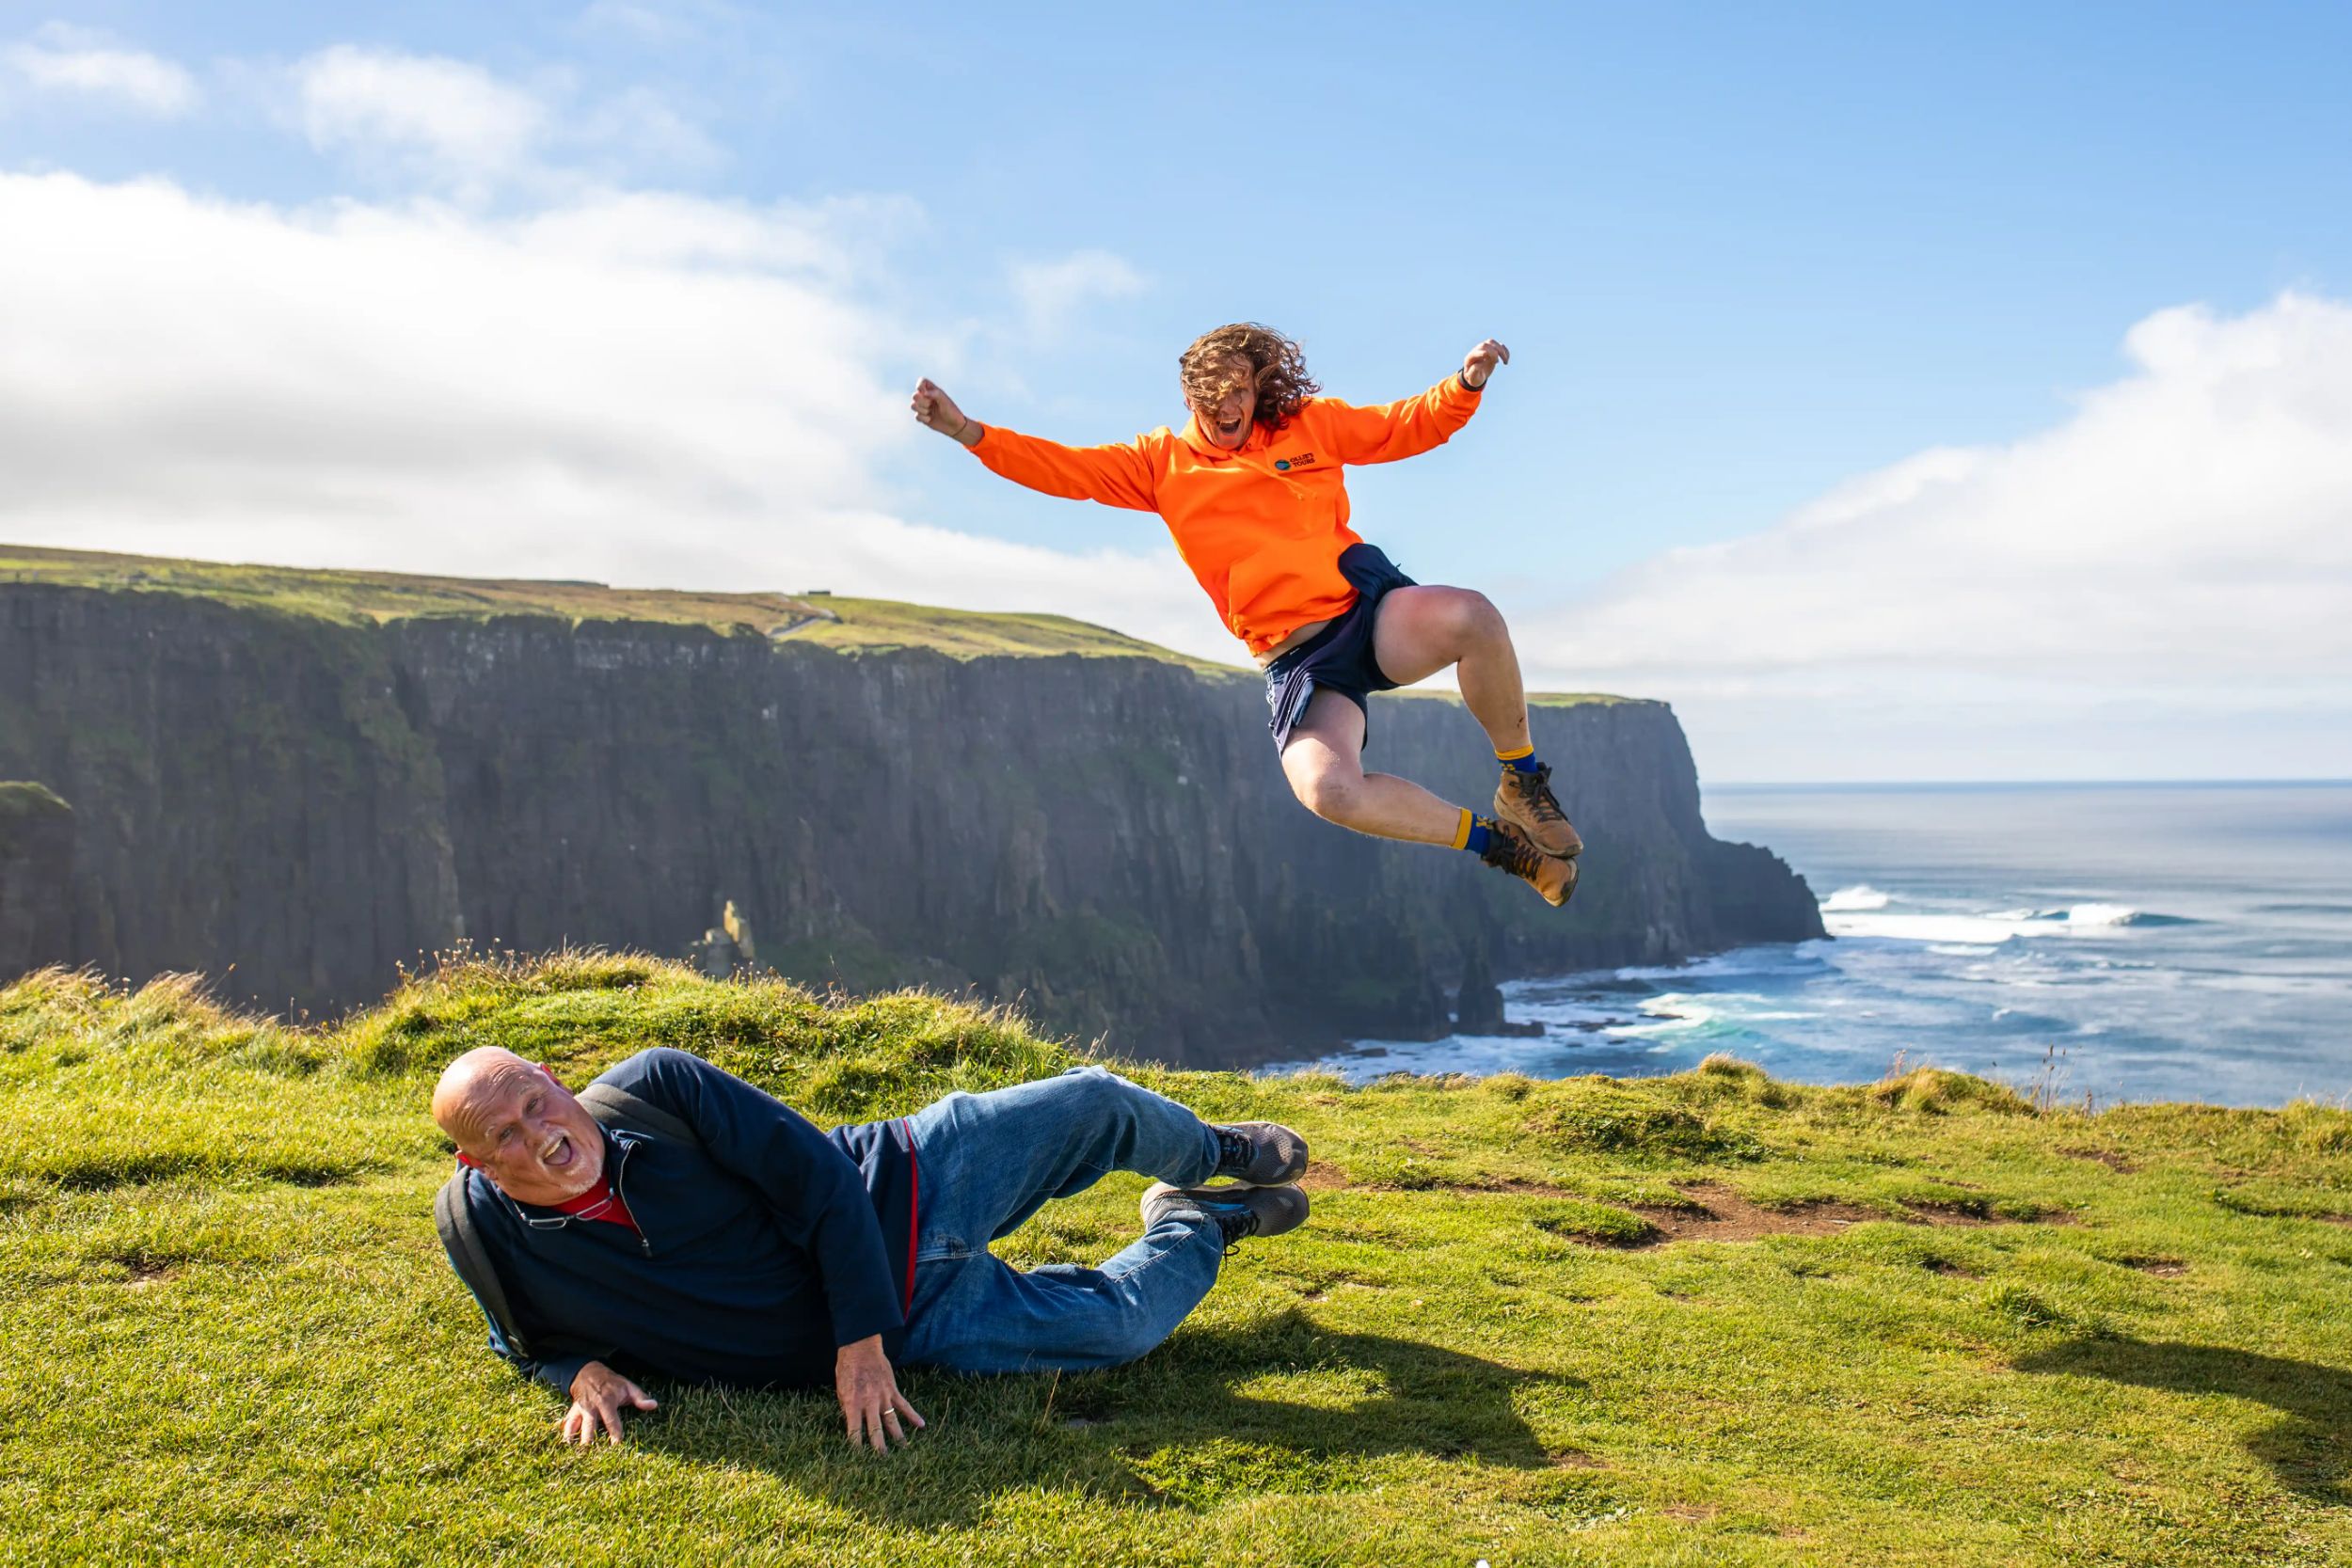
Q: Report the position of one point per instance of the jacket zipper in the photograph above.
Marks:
(620, 1190)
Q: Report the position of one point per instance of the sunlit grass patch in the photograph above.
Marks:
(1709, 1318)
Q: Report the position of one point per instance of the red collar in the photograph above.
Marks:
(599, 1202)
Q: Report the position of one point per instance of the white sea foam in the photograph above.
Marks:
(1675, 1012)
(1948, 932)
(1953, 929)
(1860, 896)
(2088, 914)
(1801, 959)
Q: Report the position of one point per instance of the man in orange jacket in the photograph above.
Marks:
(1251, 489)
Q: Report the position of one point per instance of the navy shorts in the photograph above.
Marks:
(1338, 658)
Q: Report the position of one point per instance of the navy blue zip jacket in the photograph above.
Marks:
(762, 1253)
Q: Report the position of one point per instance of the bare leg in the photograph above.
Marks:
(1323, 762)
(1419, 631)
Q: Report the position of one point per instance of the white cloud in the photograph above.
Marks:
(453, 127)
(2103, 596)
(447, 121)
(638, 128)
(651, 389)
(59, 59)
(1051, 292)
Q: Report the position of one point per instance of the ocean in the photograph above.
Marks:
(2099, 941)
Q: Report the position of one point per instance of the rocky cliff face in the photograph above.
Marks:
(1106, 839)
(36, 874)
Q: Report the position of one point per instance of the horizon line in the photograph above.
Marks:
(2282, 782)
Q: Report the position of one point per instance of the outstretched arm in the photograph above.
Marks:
(1118, 475)
(1384, 433)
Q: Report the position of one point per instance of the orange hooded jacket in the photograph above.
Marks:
(1261, 527)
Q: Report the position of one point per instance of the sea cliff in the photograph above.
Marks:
(298, 786)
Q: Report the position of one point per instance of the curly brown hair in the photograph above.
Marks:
(1224, 360)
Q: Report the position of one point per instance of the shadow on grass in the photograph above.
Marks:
(2306, 1450)
(1282, 1406)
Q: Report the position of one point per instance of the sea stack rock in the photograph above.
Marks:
(1478, 1005)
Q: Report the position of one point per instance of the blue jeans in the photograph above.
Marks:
(987, 1161)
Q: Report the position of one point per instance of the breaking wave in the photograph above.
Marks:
(1999, 926)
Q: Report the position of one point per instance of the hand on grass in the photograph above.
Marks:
(935, 410)
(599, 1395)
(1479, 362)
(870, 1400)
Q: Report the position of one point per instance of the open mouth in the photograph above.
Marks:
(560, 1155)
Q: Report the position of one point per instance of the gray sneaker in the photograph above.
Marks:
(1259, 1153)
(1238, 1211)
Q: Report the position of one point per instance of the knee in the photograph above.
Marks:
(1472, 619)
(1328, 792)
(1093, 1091)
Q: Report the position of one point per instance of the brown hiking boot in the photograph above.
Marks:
(1509, 850)
(1525, 800)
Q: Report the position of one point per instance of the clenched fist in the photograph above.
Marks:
(1479, 363)
(935, 410)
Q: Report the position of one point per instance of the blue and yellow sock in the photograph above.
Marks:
(1472, 834)
(1523, 760)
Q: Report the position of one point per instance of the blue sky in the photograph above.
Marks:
(1744, 257)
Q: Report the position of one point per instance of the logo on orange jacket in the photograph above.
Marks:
(1287, 463)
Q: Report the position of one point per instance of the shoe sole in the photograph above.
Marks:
(1566, 894)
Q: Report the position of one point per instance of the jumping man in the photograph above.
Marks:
(1251, 488)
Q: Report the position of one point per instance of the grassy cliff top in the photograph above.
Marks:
(826, 619)
(1704, 1319)
(867, 625)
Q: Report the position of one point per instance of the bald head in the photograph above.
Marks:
(457, 1098)
(525, 1131)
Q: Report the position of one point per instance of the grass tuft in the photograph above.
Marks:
(1586, 1117)
(1934, 1091)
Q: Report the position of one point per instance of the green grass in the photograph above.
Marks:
(230, 1333)
(881, 625)
(357, 597)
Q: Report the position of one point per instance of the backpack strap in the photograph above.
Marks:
(608, 1104)
(472, 1259)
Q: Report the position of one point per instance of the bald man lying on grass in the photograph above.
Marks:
(697, 1229)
